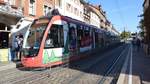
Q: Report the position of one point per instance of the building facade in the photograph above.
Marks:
(95, 18)
(101, 15)
(86, 13)
(10, 13)
(17, 15)
(70, 8)
(146, 6)
(108, 25)
(32, 9)
(115, 31)
(37, 8)
(146, 10)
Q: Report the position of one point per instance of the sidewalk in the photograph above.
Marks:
(9, 65)
(139, 73)
(141, 66)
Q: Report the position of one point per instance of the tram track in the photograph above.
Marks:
(112, 68)
(93, 80)
(16, 76)
(70, 79)
(13, 75)
(37, 76)
(47, 75)
(63, 75)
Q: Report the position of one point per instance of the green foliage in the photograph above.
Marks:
(141, 27)
(142, 33)
(141, 24)
(125, 34)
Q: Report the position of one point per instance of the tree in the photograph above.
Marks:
(125, 34)
(141, 27)
(141, 24)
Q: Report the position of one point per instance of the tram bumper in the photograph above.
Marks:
(29, 62)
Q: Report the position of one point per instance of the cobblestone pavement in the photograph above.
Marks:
(85, 71)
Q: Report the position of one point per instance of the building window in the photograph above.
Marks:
(46, 9)
(85, 11)
(71, 9)
(58, 3)
(5, 0)
(75, 11)
(11, 2)
(32, 7)
(68, 7)
(80, 14)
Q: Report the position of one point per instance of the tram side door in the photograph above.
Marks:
(72, 38)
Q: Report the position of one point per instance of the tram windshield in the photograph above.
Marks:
(35, 36)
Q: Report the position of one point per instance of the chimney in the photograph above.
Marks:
(99, 6)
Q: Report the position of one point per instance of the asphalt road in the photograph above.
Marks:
(100, 68)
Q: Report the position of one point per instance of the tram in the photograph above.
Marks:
(60, 39)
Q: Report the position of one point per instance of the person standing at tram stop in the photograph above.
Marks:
(20, 43)
(18, 47)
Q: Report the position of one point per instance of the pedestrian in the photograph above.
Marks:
(16, 48)
(138, 44)
(134, 42)
(20, 44)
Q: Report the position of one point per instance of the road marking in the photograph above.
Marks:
(130, 72)
(111, 67)
(121, 78)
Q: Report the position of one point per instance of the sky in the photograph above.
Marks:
(122, 13)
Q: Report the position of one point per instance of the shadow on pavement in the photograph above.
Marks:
(105, 56)
(141, 65)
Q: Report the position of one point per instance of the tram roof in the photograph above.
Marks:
(66, 18)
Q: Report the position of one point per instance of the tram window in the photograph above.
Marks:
(96, 37)
(72, 34)
(83, 36)
(55, 37)
(87, 33)
(35, 36)
(79, 35)
(72, 38)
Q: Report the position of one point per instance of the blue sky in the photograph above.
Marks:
(122, 13)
